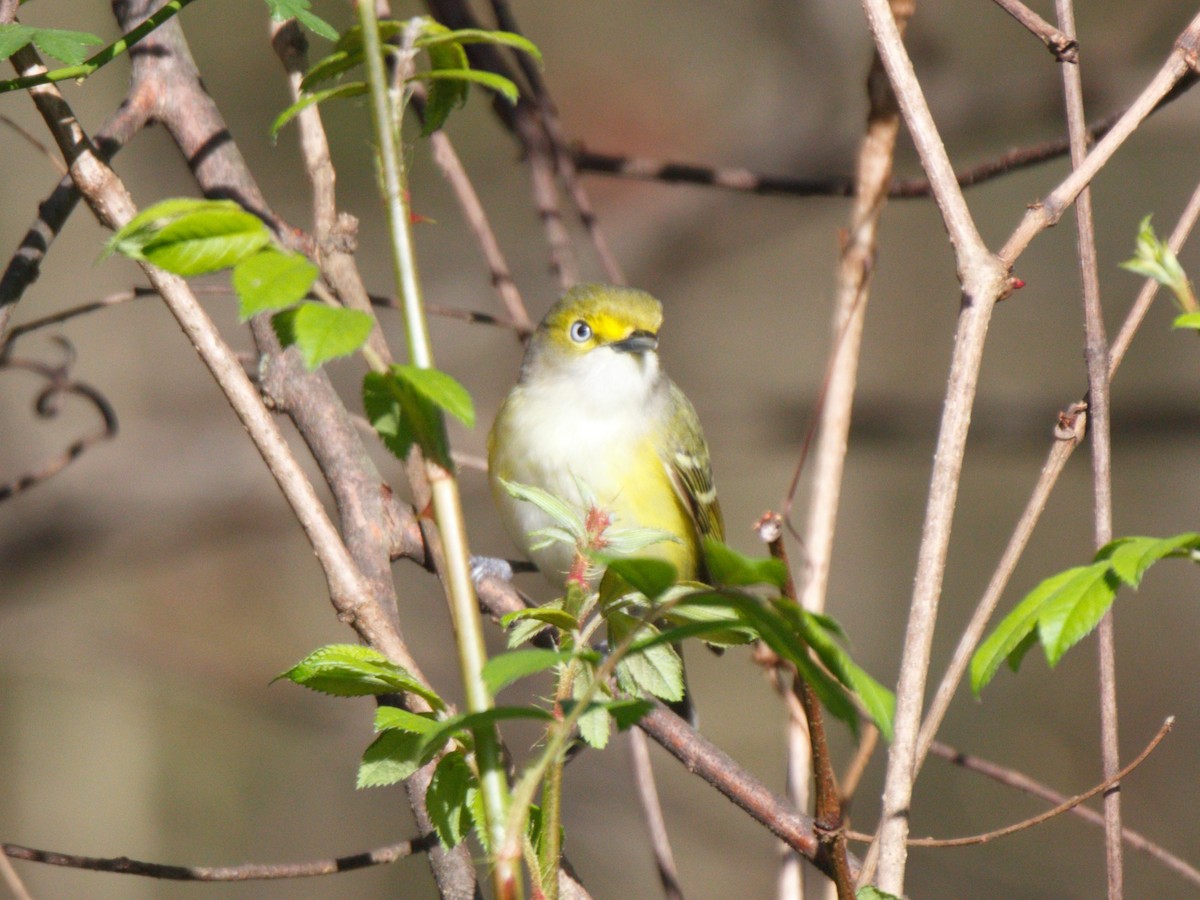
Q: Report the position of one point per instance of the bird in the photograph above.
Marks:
(594, 421)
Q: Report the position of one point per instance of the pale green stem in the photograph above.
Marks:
(447, 508)
(102, 58)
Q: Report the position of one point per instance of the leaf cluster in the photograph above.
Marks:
(1067, 606)
(448, 76)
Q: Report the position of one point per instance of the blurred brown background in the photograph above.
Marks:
(150, 593)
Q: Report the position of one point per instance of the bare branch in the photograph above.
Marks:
(48, 404)
(1096, 354)
(1064, 47)
(1022, 782)
(123, 865)
(660, 841)
(1056, 811)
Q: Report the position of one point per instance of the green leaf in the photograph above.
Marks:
(505, 87)
(391, 757)
(392, 718)
(870, 892)
(478, 813)
(446, 799)
(1130, 557)
(351, 89)
(301, 11)
(1075, 609)
(650, 577)
(322, 332)
(444, 95)
(502, 670)
(558, 510)
(69, 46)
(593, 724)
(405, 404)
(729, 568)
(627, 711)
(879, 702)
(546, 615)
(330, 67)
(724, 626)
(271, 280)
(1187, 320)
(191, 237)
(439, 389)
(657, 670)
(13, 37)
(479, 36)
(351, 670)
(1011, 634)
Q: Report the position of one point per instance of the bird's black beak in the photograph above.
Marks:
(637, 342)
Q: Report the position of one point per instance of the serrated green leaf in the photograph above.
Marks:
(350, 89)
(478, 813)
(650, 577)
(558, 510)
(205, 240)
(446, 799)
(322, 332)
(1075, 609)
(69, 46)
(406, 409)
(392, 718)
(729, 568)
(391, 757)
(301, 11)
(503, 669)
(725, 627)
(351, 670)
(188, 236)
(593, 724)
(440, 389)
(627, 711)
(271, 280)
(1130, 557)
(555, 616)
(13, 37)
(657, 670)
(1011, 634)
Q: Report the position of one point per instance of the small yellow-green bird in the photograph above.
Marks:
(593, 419)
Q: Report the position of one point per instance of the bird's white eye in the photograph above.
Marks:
(581, 331)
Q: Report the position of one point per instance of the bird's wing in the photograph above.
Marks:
(685, 455)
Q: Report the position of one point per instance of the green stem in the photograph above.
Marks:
(447, 507)
(103, 57)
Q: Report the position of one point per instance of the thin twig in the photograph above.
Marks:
(660, 842)
(1049, 814)
(123, 865)
(1022, 782)
(1096, 354)
(47, 405)
(827, 807)
(1064, 47)
(36, 144)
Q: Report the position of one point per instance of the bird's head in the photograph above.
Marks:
(599, 327)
